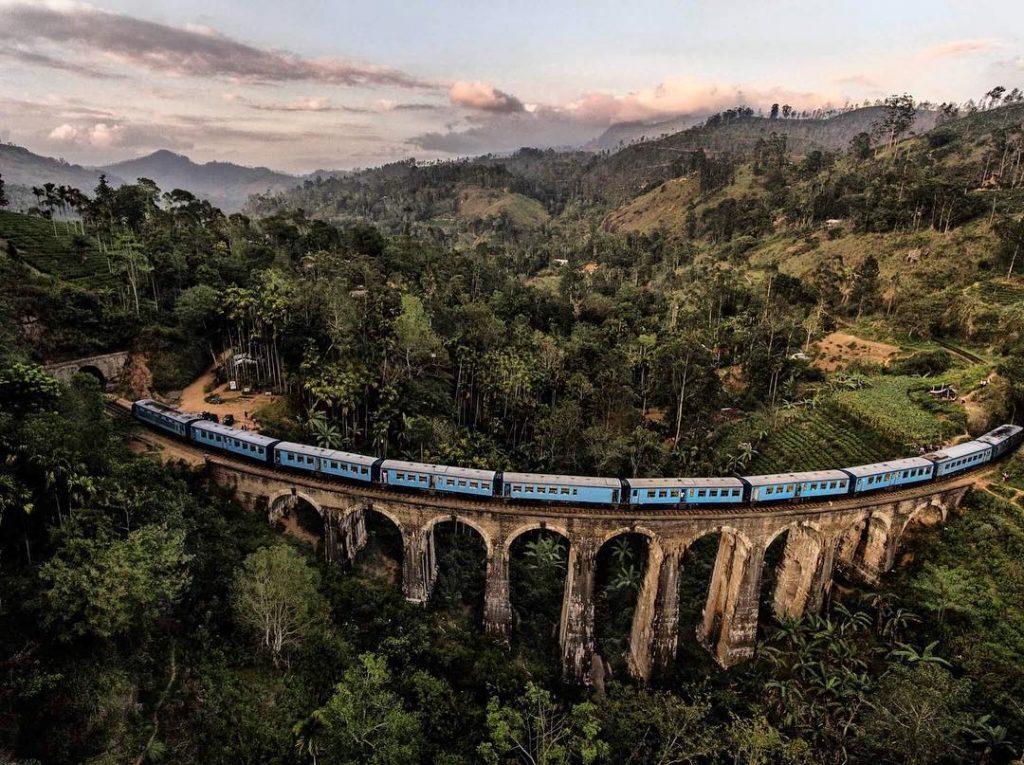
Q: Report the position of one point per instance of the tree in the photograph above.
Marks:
(774, 113)
(899, 115)
(107, 586)
(658, 727)
(1011, 242)
(537, 731)
(864, 293)
(275, 595)
(860, 146)
(363, 723)
(917, 715)
(3, 196)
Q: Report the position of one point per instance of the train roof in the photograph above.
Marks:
(241, 435)
(445, 470)
(564, 480)
(167, 411)
(884, 467)
(684, 483)
(325, 453)
(813, 475)
(957, 450)
(1000, 434)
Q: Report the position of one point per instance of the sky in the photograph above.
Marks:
(300, 85)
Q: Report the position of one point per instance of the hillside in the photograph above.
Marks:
(224, 184)
(22, 168)
(479, 204)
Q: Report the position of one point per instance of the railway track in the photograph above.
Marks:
(972, 357)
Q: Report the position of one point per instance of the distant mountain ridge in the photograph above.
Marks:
(225, 184)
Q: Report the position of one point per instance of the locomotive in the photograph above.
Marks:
(570, 489)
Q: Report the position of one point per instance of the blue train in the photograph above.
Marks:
(572, 489)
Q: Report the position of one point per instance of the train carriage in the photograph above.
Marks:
(355, 467)
(289, 454)
(164, 417)
(810, 485)
(685, 491)
(955, 459)
(540, 487)
(882, 475)
(1003, 439)
(420, 475)
(235, 440)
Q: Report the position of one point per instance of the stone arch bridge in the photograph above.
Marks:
(858, 535)
(106, 367)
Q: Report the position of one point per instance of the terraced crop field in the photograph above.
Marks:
(820, 439)
(55, 255)
(888, 407)
(1003, 292)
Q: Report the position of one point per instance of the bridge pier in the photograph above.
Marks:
(419, 564)
(497, 603)
(729, 628)
(344, 534)
(576, 635)
(655, 634)
(805, 573)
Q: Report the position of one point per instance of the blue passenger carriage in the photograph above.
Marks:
(954, 459)
(688, 491)
(782, 486)
(235, 440)
(539, 487)
(355, 467)
(162, 416)
(421, 475)
(1003, 439)
(882, 475)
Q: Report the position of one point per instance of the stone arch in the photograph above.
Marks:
(428, 527)
(94, 371)
(276, 509)
(554, 528)
(288, 510)
(934, 509)
(722, 528)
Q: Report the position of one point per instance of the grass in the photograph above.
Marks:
(477, 203)
(55, 255)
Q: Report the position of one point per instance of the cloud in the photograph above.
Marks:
(298, 105)
(35, 58)
(959, 48)
(484, 97)
(187, 52)
(681, 96)
(505, 133)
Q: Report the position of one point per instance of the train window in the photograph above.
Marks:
(636, 493)
(461, 483)
(400, 476)
(650, 492)
(423, 479)
(735, 492)
(474, 484)
(574, 492)
(768, 490)
(702, 493)
(565, 490)
(675, 492)
(662, 493)
(485, 486)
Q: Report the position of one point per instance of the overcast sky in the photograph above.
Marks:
(303, 84)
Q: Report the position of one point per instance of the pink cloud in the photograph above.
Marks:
(966, 47)
(483, 96)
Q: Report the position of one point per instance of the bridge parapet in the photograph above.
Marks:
(106, 367)
(859, 535)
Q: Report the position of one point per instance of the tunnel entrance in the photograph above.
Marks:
(94, 372)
